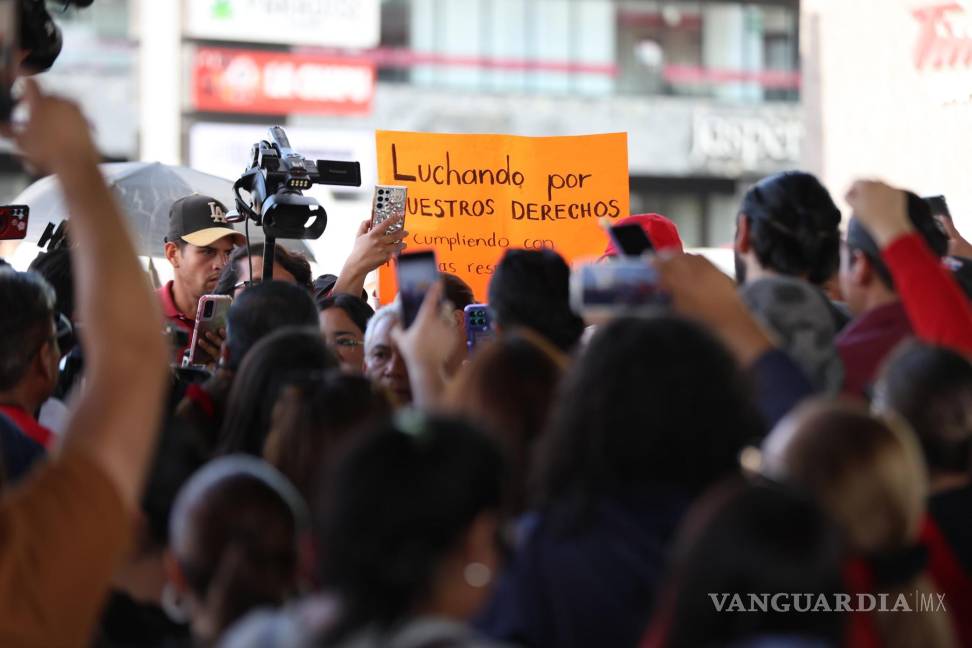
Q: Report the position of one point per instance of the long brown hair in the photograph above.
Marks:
(869, 475)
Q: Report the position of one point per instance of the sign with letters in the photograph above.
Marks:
(321, 23)
(472, 197)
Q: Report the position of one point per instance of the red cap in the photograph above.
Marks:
(662, 233)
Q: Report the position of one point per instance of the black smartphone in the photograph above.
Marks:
(9, 37)
(417, 271)
(938, 206)
(13, 222)
(630, 239)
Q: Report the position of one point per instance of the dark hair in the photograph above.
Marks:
(26, 317)
(457, 291)
(359, 311)
(509, 386)
(397, 505)
(751, 540)
(650, 402)
(273, 361)
(793, 225)
(261, 310)
(314, 419)
(920, 215)
(55, 267)
(931, 388)
(236, 527)
(532, 288)
(292, 262)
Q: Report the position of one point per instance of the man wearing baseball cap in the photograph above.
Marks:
(198, 245)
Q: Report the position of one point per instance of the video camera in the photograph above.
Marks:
(30, 42)
(275, 180)
(40, 36)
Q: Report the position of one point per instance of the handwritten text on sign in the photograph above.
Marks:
(472, 197)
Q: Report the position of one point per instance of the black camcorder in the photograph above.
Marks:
(30, 42)
(275, 179)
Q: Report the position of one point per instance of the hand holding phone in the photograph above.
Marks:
(211, 315)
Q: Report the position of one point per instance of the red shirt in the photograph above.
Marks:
(937, 307)
(173, 315)
(866, 342)
(28, 425)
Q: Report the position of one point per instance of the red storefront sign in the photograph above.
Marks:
(259, 82)
(943, 39)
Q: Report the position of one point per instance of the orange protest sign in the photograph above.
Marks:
(472, 197)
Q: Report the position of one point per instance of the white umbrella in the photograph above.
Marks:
(145, 191)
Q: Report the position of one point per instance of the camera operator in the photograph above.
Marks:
(198, 246)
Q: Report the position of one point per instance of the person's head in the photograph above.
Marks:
(344, 320)
(750, 539)
(509, 386)
(799, 317)
(261, 310)
(661, 231)
(29, 351)
(865, 280)
(55, 267)
(281, 357)
(931, 388)
(289, 267)
(384, 365)
(314, 419)
(199, 243)
(787, 224)
(409, 524)
(869, 476)
(651, 402)
(460, 295)
(233, 544)
(532, 289)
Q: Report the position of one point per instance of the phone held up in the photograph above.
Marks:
(13, 222)
(630, 240)
(389, 202)
(600, 291)
(416, 271)
(210, 317)
(479, 325)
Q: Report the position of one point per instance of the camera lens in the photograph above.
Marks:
(208, 309)
(381, 191)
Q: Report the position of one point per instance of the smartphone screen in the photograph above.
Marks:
(416, 274)
(13, 222)
(630, 239)
(616, 287)
(9, 31)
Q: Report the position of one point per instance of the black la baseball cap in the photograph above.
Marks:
(199, 220)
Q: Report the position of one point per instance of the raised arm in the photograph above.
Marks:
(116, 417)
(936, 306)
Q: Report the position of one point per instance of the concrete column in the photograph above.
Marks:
(160, 80)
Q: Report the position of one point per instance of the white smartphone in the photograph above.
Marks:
(389, 202)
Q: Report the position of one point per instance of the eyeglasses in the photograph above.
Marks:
(348, 343)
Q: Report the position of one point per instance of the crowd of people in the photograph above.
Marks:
(783, 460)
